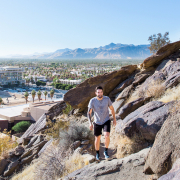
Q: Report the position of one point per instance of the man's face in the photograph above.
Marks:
(99, 93)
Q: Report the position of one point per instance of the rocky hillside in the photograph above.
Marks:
(140, 95)
(145, 142)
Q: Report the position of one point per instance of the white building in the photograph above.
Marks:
(40, 78)
(71, 82)
(11, 74)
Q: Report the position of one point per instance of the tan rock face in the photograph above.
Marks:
(79, 97)
(162, 53)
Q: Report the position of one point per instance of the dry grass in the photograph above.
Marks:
(6, 144)
(126, 146)
(27, 173)
(171, 94)
(156, 89)
(73, 163)
(55, 128)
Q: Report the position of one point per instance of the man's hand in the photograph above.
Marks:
(114, 122)
(91, 127)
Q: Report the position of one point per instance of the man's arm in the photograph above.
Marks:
(89, 118)
(113, 113)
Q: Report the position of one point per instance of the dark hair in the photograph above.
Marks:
(98, 87)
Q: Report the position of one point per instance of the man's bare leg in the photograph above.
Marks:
(107, 139)
(97, 146)
(97, 142)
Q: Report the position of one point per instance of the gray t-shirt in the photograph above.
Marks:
(100, 108)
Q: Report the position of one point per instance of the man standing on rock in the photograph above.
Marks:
(99, 105)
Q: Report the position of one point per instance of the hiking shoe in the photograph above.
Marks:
(97, 157)
(106, 155)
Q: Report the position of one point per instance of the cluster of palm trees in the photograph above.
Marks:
(39, 93)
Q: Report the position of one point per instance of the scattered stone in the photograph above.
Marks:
(3, 164)
(88, 157)
(19, 150)
(11, 168)
(78, 150)
(85, 142)
(75, 145)
(174, 173)
(32, 141)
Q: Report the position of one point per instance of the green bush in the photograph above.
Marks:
(68, 109)
(21, 126)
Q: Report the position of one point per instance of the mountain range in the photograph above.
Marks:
(111, 51)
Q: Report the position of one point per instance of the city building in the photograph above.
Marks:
(9, 116)
(11, 75)
(70, 82)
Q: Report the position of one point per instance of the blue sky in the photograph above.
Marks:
(40, 26)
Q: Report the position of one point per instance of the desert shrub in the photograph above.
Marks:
(155, 89)
(51, 163)
(21, 126)
(171, 94)
(67, 109)
(126, 145)
(75, 132)
(6, 143)
(54, 129)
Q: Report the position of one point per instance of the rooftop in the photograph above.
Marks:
(13, 110)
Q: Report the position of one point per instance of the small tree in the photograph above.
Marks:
(26, 94)
(33, 93)
(45, 94)
(156, 42)
(1, 100)
(21, 126)
(52, 93)
(39, 95)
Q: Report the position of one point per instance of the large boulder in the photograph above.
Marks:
(79, 97)
(117, 105)
(121, 86)
(166, 74)
(162, 53)
(128, 168)
(125, 93)
(166, 147)
(174, 173)
(146, 120)
(132, 106)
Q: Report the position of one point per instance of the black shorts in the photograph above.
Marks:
(98, 128)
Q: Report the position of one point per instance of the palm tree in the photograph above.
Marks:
(1, 100)
(26, 94)
(52, 93)
(45, 93)
(39, 95)
(33, 93)
(28, 81)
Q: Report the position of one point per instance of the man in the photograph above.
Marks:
(99, 105)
